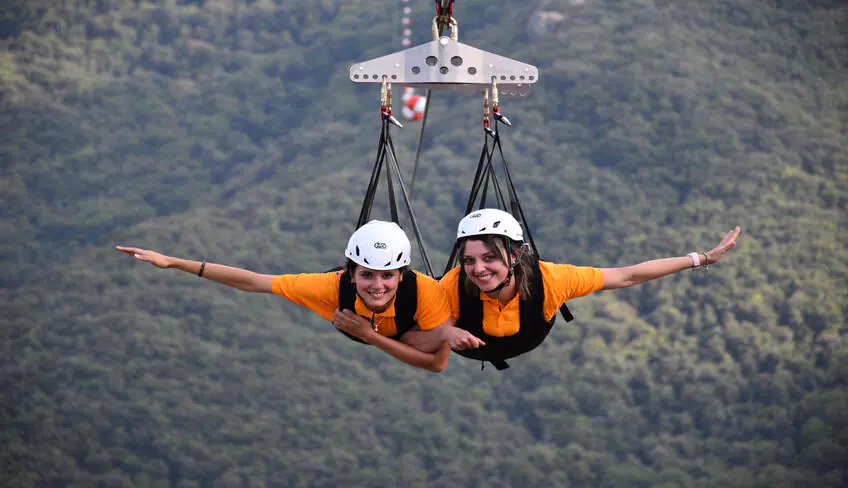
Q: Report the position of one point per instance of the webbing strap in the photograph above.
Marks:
(515, 205)
(387, 156)
(393, 211)
(365, 212)
(485, 177)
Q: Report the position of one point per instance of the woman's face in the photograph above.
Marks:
(376, 288)
(484, 268)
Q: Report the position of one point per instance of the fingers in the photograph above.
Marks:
(342, 313)
(726, 244)
(730, 239)
(353, 317)
(342, 316)
(135, 252)
(474, 341)
(469, 342)
(341, 321)
(733, 234)
(129, 250)
(348, 320)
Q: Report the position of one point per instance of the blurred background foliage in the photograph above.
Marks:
(227, 130)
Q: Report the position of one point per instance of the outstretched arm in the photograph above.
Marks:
(241, 279)
(432, 339)
(651, 270)
(360, 327)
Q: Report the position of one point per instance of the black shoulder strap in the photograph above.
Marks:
(566, 313)
(538, 301)
(471, 319)
(347, 301)
(347, 292)
(470, 308)
(406, 303)
(533, 308)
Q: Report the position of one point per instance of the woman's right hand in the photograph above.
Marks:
(152, 257)
(460, 339)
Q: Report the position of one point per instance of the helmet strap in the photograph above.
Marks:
(510, 267)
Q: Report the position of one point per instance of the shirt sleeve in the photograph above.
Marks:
(563, 282)
(318, 292)
(449, 283)
(433, 308)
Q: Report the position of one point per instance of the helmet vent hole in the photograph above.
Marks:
(399, 257)
(496, 224)
(387, 264)
(481, 229)
(366, 260)
(357, 250)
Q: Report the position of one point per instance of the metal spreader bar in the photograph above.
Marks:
(447, 64)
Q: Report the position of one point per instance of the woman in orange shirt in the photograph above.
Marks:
(376, 299)
(496, 267)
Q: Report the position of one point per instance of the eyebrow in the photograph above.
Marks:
(489, 253)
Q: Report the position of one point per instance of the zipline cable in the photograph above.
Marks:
(444, 11)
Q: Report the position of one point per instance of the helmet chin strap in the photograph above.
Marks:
(510, 267)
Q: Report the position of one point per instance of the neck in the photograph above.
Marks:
(507, 293)
(376, 309)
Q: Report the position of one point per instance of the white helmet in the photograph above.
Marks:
(490, 221)
(379, 245)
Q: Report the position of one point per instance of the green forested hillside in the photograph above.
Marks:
(227, 130)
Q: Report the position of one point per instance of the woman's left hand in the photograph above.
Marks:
(726, 244)
(352, 323)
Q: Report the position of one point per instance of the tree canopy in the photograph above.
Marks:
(227, 130)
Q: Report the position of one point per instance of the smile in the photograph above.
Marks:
(484, 277)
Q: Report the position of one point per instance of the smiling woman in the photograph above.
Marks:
(375, 300)
(496, 267)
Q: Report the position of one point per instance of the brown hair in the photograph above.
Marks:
(522, 263)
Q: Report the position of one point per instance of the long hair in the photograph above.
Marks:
(522, 263)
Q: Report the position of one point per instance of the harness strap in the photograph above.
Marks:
(515, 205)
(368, 203)
(387, 156)
(566, 313)
(499, 365)
(484, 174)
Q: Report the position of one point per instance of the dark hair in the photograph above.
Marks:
(351, 266)
(522, 263)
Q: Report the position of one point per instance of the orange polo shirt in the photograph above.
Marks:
(562, 282)
(319, 292)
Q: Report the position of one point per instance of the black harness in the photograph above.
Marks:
(406, 303)
(533, 330)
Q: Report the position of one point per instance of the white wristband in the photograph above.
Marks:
(696, 259)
